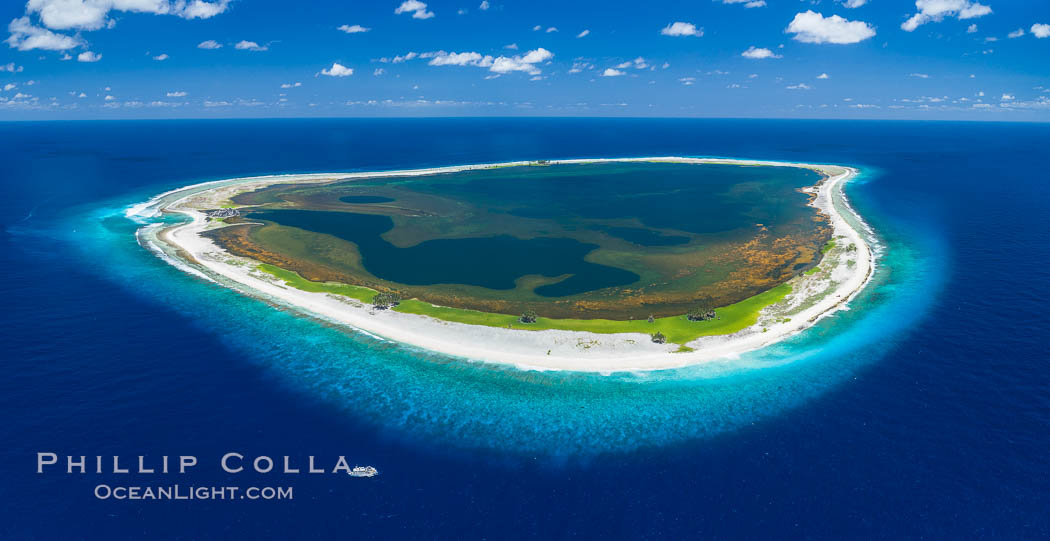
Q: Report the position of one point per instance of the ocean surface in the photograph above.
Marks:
(923, 411)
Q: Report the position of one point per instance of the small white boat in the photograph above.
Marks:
(364, 471)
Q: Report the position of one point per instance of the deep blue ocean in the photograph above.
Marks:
(922, 412)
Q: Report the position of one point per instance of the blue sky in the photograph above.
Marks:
(924, 59)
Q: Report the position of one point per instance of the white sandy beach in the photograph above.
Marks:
(844, 271)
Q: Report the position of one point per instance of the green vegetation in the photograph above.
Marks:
(676, 329)
(701, 313)
(382, 301)
(293, 279)
(827, 247)
(529, 316)
(659, 338)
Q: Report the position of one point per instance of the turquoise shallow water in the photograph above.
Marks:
(923, 412)
(455, 403)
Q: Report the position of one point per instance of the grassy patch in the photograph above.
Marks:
(293, 279)
(677, 329)
(827, 247)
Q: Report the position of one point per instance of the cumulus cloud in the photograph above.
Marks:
(161, 57)
(209, 44)
(972, 29)
(823, 76)
(637, 63)
(353, 28)
(1016, 33)
(1040, 30)
(747, 3)
(612, 72)
(682, 29)
(416, 8)
(177, 94)
(94, 14)
(484, 5)
(245, 45)
(812, 27)
(919, 75)
(26, 36)
(501, 64)
(291, 85)
(88, 56)
(583, 34)
(937, 10)
(758, 53)
(10, 67)
(337, 70)
(853, 3)
(9, 86)
(800, 86)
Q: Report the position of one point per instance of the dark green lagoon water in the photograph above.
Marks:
(490, 262)
(673, 232)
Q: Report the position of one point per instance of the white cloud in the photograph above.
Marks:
(461, 59)
(161, 57)
(26, 36)
(201, 10)
(353, 28)
(109, 98)
(687, 81)
(337, 70)
(637, 63)
(291, 85)
(1007, 97)
(501, 64)
(800, 86)
(610, 72)
(9, 86)
(416, 8)
(11, 68)
(177, 94)
(1016, 33)
(512, 46)
(378, 71)
(919, 75)
(972, 29)
(88, 56)
(758, 53)
(1041, 30)
(853, 3)
(82, 95)
(747, 3)
(536, 28)
(936, 10)
(682, 29)
(812, 27)
(552, 29)
(823, 76)
(209, 44)
(245, 45)
(94, 14)
(583, 34)
(484, 5)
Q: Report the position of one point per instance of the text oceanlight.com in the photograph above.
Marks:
(178, 492)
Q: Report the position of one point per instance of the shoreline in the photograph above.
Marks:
(843, 271)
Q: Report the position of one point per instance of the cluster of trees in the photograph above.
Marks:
(659, 338)
(382, 301)
(529, 316)
(702, 313)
